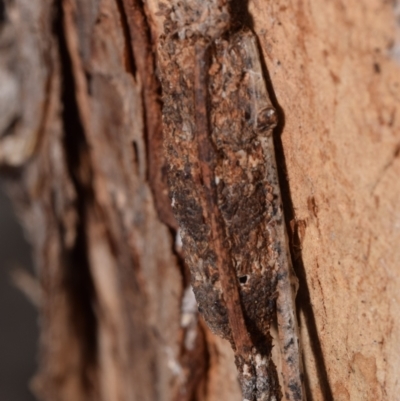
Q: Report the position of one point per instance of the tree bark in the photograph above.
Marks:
(81, 154)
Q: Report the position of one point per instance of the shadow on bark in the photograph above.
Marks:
(78, 278)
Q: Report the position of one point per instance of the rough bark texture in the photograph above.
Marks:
(218, 130)
(80, 123)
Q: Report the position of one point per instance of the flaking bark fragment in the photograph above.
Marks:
(218, 122)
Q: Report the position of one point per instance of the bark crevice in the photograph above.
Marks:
(78, 279)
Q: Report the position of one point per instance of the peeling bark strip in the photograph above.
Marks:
(218, 122)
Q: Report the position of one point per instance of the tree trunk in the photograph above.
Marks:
(81, 151)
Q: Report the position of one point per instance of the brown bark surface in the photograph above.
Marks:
(80, 151)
